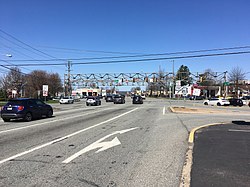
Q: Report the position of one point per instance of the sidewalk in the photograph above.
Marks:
(221, 156)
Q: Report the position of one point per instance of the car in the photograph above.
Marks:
(137, 99)
(66, 100)
(246, 97)
(93, 100)
(56, 98)
(217, 101)
(109, 98)
(143, 96)
(236, 102)
(26, 109)
(193, 97)
(119, 99)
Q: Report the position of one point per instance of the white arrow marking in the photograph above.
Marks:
(99, 144)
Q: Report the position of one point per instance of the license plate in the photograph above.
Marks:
(9, 108)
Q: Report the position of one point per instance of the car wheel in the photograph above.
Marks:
(87, 104)
(6, 120)
(49, 114)
(205, 103)
(28, 117)
(218, 104)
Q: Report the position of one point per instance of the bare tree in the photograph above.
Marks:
(235, 75)
(208, 78)
(55, 84)
(13, 81)
(37, 78)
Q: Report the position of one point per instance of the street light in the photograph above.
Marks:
(7, 55)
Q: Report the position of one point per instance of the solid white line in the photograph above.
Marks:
(164, 110)
(47, 122)
(63, 138)
(236, 130)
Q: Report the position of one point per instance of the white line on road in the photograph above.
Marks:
(63, 138)
(236, 130)
(47, 122)
(164, 110)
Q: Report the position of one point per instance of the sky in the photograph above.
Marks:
(79, 30)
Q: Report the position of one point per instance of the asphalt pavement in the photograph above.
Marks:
(221, 156)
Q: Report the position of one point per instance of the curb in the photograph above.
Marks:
(172, 109)
(187, 166)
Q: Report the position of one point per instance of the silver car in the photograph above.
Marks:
(217, 101)
(66, 100)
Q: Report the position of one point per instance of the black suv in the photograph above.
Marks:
(93, 100)
(236, 102)
(109, 98)
(26, 109)
(137, 99)
(119, 99)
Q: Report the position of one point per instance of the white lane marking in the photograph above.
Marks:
(164, 110)
(99, 144)
(236, 130)
(63, 138)
(47, 122)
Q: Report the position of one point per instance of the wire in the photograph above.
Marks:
(23, 44)
(26, 44)
(84, 50)
(141, 60)
(132, 56)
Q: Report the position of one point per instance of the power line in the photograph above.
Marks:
(141, 60)
(133, 56)
(26, 44)
(89, 51)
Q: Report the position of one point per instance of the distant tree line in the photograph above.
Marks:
(207, 78)
(17, 84)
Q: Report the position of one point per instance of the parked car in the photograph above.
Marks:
(143, 96)
(236, 102)
(66, 100)
(26, 109)
(56, 98)
(137, 99)
(109, 98)
(246, 97)
(93, 100)
(193, 97)
(119, 99)
(217, 101)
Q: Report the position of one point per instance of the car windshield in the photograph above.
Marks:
(67, 97)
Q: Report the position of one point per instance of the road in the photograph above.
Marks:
(108, 145)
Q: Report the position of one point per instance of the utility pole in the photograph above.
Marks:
(68, 83)
(225, 84)
(173, 91)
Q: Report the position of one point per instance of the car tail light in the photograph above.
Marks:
(20, 108)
